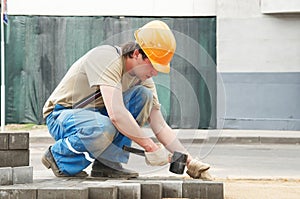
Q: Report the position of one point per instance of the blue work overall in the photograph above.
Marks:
(83, 135)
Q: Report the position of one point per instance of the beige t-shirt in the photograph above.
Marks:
(100, 66)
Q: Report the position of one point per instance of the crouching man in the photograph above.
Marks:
(95, 133)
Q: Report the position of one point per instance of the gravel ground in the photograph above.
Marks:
(261, 189)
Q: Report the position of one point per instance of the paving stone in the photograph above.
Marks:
(151, 190)
(135, 189)
(103, 192)
(171, 189)
(17, 193)
(19, 140)
(6, 176)
(63, 193)
(3, 141)
(22, 175)
(203, 190)
(14, 158)
(129, 190)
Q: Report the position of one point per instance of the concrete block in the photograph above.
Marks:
(151, 190)
(17, 193)
(171, 189)
(129, 190)
(6, 176)
(3, 141)
(22, 175)
(14, 158)
(103, 191)
(63, 193)
(18, 140)
(201, 189)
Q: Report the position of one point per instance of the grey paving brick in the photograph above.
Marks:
(14, 158)
(103, 192)
(17, 193)
(63, 193)
(3, 141)
(22, 175)
(151, 190)
(203, 190)
(129, 190)
(171, 189)
(19, 140)
(6, 176)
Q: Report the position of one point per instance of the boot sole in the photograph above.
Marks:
(46, 163)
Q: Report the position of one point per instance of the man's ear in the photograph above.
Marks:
(135, 53)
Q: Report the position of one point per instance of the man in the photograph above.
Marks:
(97, 132)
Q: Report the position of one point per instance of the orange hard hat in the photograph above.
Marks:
(159, 44)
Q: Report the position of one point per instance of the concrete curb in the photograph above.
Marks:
(130, 189)
(212, 136)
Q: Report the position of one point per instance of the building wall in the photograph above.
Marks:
(249, 41)
(258, 48)
(113, 7)
(258, 59)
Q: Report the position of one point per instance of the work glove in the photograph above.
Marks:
(159, 157)
(198, 170)
(206, 176)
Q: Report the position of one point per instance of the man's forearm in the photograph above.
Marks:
(168, 138)
(126, 124)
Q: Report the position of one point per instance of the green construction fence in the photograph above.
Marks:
(40, 49)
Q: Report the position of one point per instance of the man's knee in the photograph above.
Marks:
(146, 94)
(140, 103)
(141, 96)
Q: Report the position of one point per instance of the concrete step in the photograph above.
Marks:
(16, 175)
(91, 188)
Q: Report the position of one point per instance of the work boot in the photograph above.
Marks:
(105, 168)
(49, 162)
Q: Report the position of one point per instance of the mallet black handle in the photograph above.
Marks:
(133, 150)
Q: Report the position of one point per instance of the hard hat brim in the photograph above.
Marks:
(161, 68)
